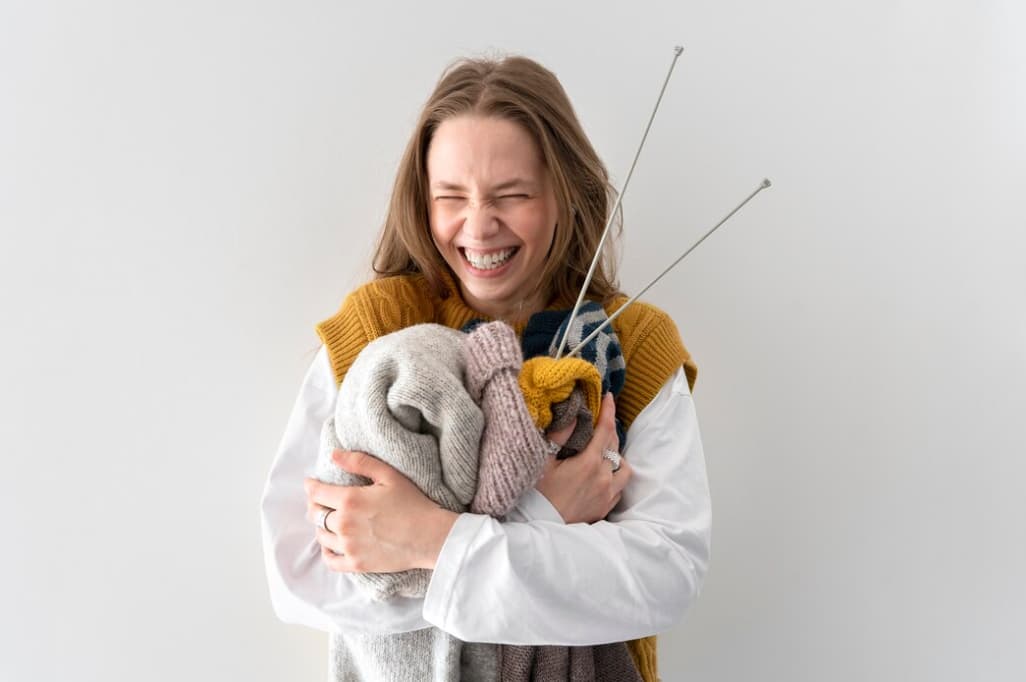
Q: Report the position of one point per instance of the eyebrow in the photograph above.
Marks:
(508, 184)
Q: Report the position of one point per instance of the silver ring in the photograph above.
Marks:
(552, 447)
(614, 458)
(322, 519)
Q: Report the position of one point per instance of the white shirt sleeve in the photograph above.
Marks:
(529, 580)
(303, 589)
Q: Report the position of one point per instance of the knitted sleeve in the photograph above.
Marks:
(652, 350)
(371, 311)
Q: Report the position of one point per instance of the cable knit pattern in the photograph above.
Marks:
(651, 346)
(371, 311)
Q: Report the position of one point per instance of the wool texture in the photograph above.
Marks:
(574, 410)
(599, 663)
(650, 346)
(445, 410)
(542, 336)
(429, 655)
(649, 340)
(403, 401)
(513, 451)
(380, 411)
(545, 381)
(479, 387)
(545, 330)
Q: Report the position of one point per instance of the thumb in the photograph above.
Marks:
(361, 464)
(607, 414)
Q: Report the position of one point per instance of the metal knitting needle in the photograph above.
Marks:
(763, 185)
(612, 215)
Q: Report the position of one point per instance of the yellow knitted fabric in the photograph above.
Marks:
(375, 309)
(652, 350)
(545, 381)
(643, 651)
(651, 346)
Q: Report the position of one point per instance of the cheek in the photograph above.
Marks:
(542, 230)
(533, 223)
(441, 229)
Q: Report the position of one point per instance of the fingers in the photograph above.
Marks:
(325, 494)
(604, 437)
(621, 476)
(362, 464)
(605, 432)
(314, 513)
(612, 505)
(332, 541)
(339, 563)
(333, 553)
(606, 425)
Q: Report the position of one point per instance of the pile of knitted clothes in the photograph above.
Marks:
(464, 417)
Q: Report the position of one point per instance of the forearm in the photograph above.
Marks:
(544, 582)
(531, 580)
(607, 582)
(303, 589)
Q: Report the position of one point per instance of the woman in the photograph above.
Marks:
(497, 208)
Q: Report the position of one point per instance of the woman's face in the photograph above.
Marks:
(492, 212)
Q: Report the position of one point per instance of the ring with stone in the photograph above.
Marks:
(614, 458)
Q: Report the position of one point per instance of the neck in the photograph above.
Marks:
(514, 313)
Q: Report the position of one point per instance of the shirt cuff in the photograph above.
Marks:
(447, 567)
(533, 506)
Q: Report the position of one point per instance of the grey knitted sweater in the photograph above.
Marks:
(409, 400)
(445, 409)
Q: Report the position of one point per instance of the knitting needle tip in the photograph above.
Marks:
(766, 183)
(678, 49)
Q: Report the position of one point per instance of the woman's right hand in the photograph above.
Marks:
(584, 488)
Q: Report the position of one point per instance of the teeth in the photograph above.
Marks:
(488, 261)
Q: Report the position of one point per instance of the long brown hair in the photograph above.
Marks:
(521, 90)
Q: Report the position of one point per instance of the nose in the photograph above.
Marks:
(480, 221)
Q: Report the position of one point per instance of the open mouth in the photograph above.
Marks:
(488, 260)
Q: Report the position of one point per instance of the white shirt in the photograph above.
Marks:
(530, 580)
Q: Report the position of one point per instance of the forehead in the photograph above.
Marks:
(480, 149)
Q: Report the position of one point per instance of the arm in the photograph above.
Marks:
(669, 555)
(303, 589)
(631, 576)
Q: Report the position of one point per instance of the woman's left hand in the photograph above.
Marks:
(384, 527)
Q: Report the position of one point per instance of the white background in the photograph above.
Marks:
(186, 188)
